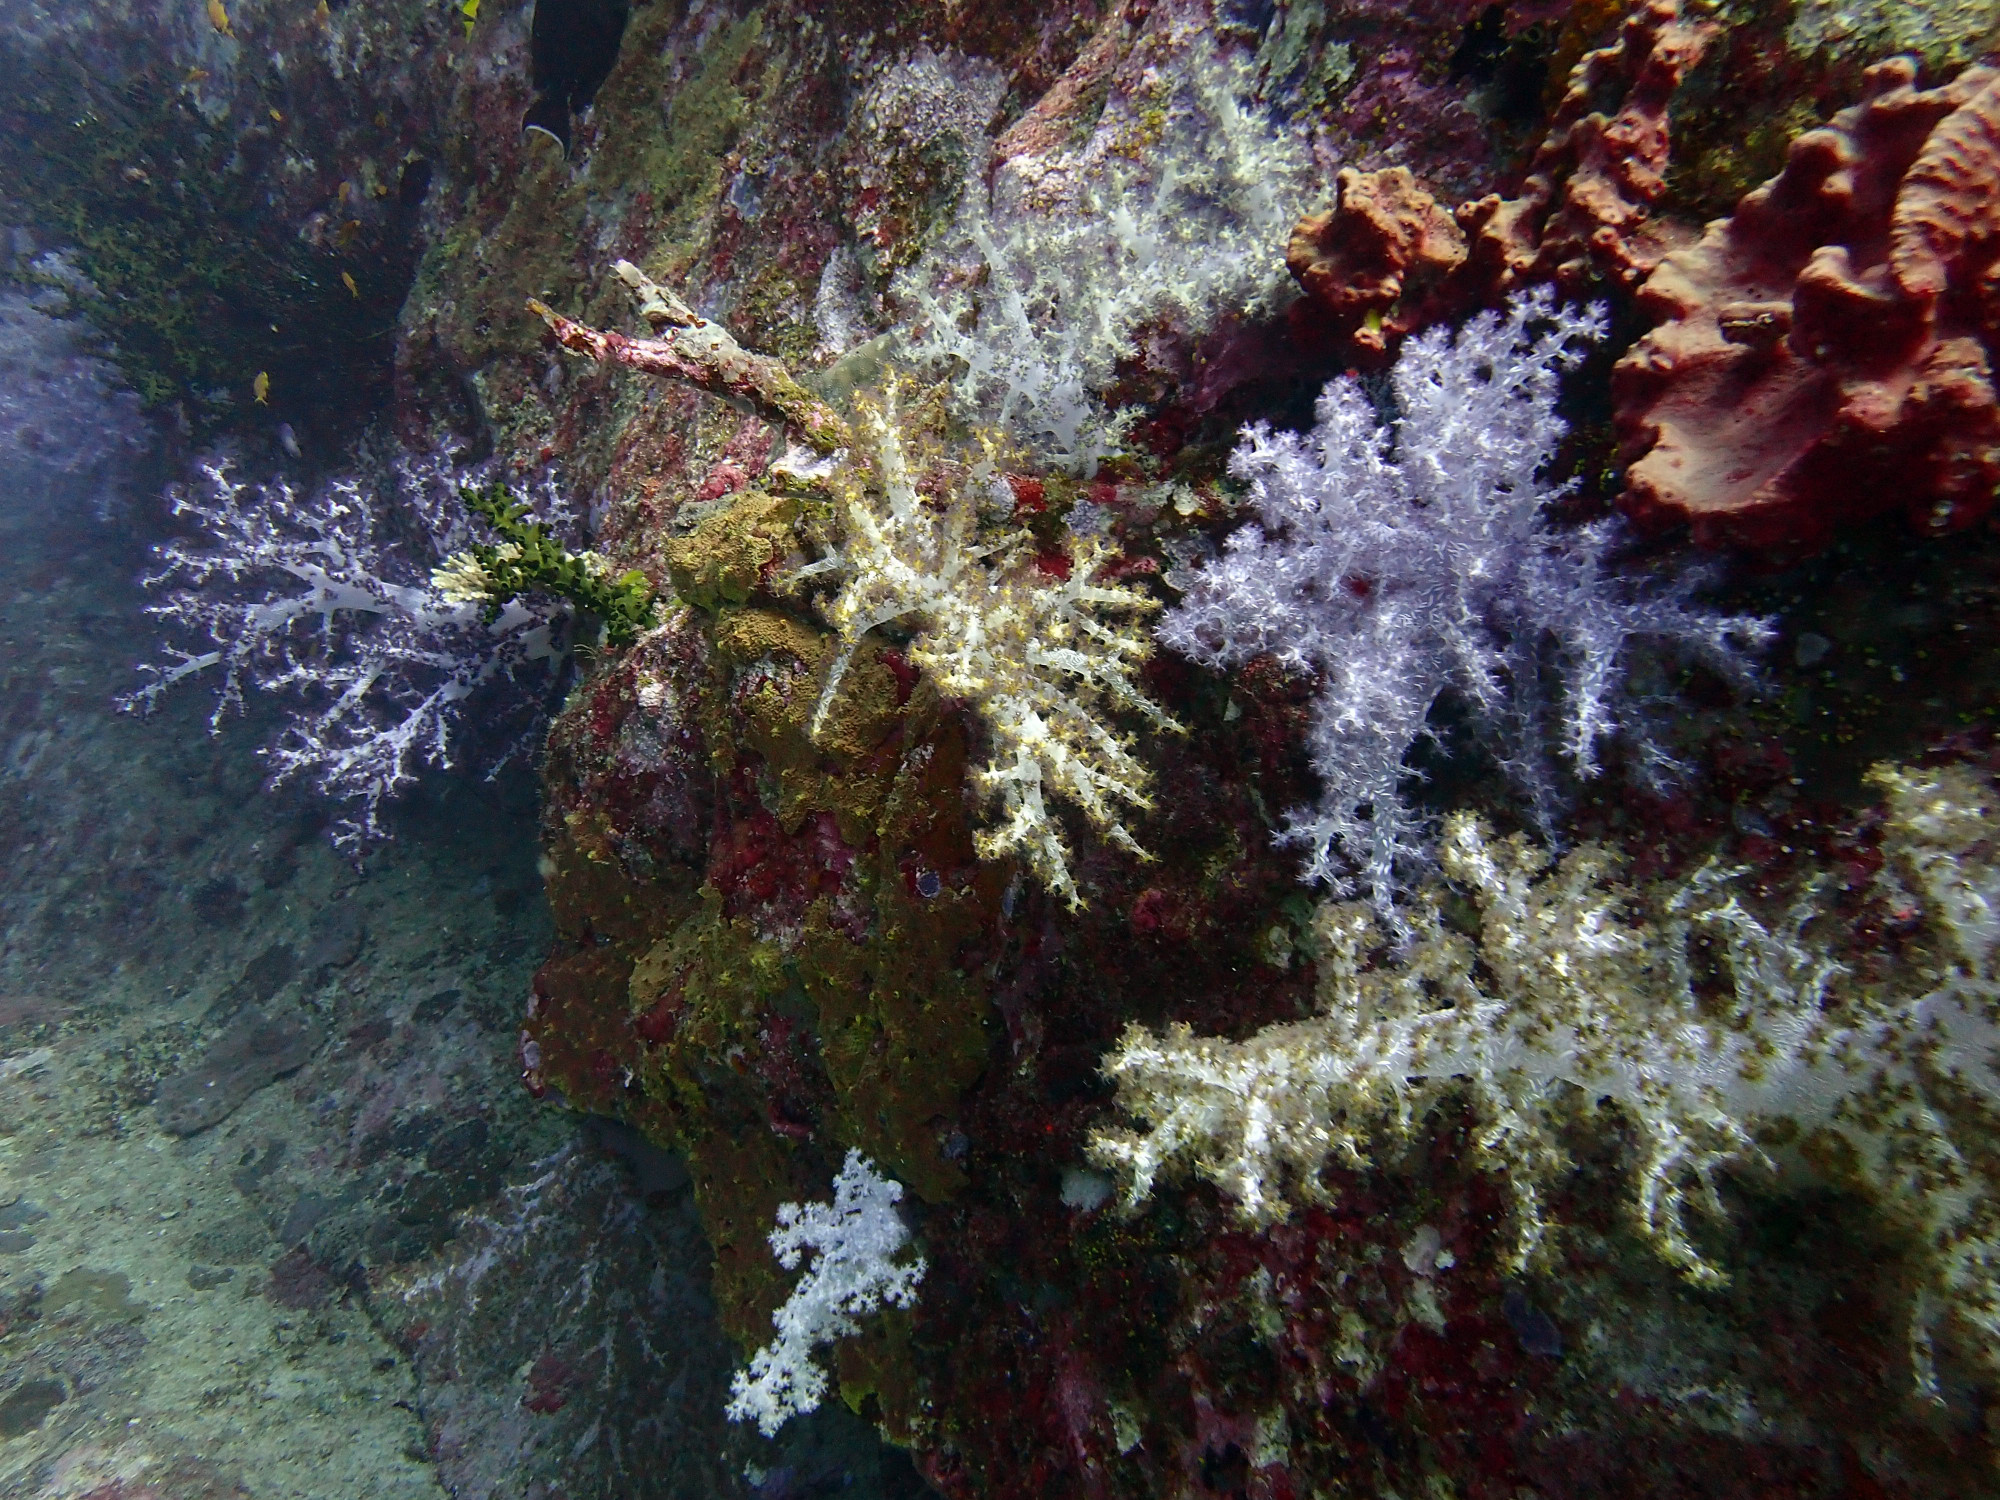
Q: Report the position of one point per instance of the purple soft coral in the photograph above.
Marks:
(1402, 561)
(309, 595)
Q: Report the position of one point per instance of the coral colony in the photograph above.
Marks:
(1035, 652)
(1399, 562)
(1047, 274)
(1575, 991)
(853, 1242)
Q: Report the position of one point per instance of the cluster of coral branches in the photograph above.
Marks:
(1045, 655)
(308, 595)
(1400, 562)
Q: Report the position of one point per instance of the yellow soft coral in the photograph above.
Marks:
(1042, 660)
(1715, 1034)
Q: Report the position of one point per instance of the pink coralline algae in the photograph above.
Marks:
(1824, 354)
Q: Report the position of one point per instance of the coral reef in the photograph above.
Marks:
(1402, 562)
(777, 942)
(1824, 354)
(1575, 991)
(304, 594)
(814, 826)
(1027, 639)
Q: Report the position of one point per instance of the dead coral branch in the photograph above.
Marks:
(694, 349)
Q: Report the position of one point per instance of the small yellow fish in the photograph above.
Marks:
(196, 75)
(219, 18)
(470, 10)
(348, 277)
(344, 236)
(322, 17)
(261, 387)
(278, 117)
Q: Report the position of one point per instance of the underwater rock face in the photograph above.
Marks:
(777, 938)
(783, 927)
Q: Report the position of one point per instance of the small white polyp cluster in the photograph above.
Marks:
(854, 1240)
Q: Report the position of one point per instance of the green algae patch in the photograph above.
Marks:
(902, 1022)
(675, 155)
(593, 897)
(726, 555)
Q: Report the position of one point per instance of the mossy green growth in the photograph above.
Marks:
(164, 213)
(527, 559)
(1947, 34)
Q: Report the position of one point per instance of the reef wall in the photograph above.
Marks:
(920, 357)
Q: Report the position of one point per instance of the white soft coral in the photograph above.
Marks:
(307, 594)
(1170, 213)
(854, 1241)
(1716, 1036)
(1041, 659)
(1405, 560)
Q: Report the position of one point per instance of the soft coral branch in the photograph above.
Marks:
(308, 595)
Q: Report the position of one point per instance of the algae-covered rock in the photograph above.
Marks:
(255, 1051)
